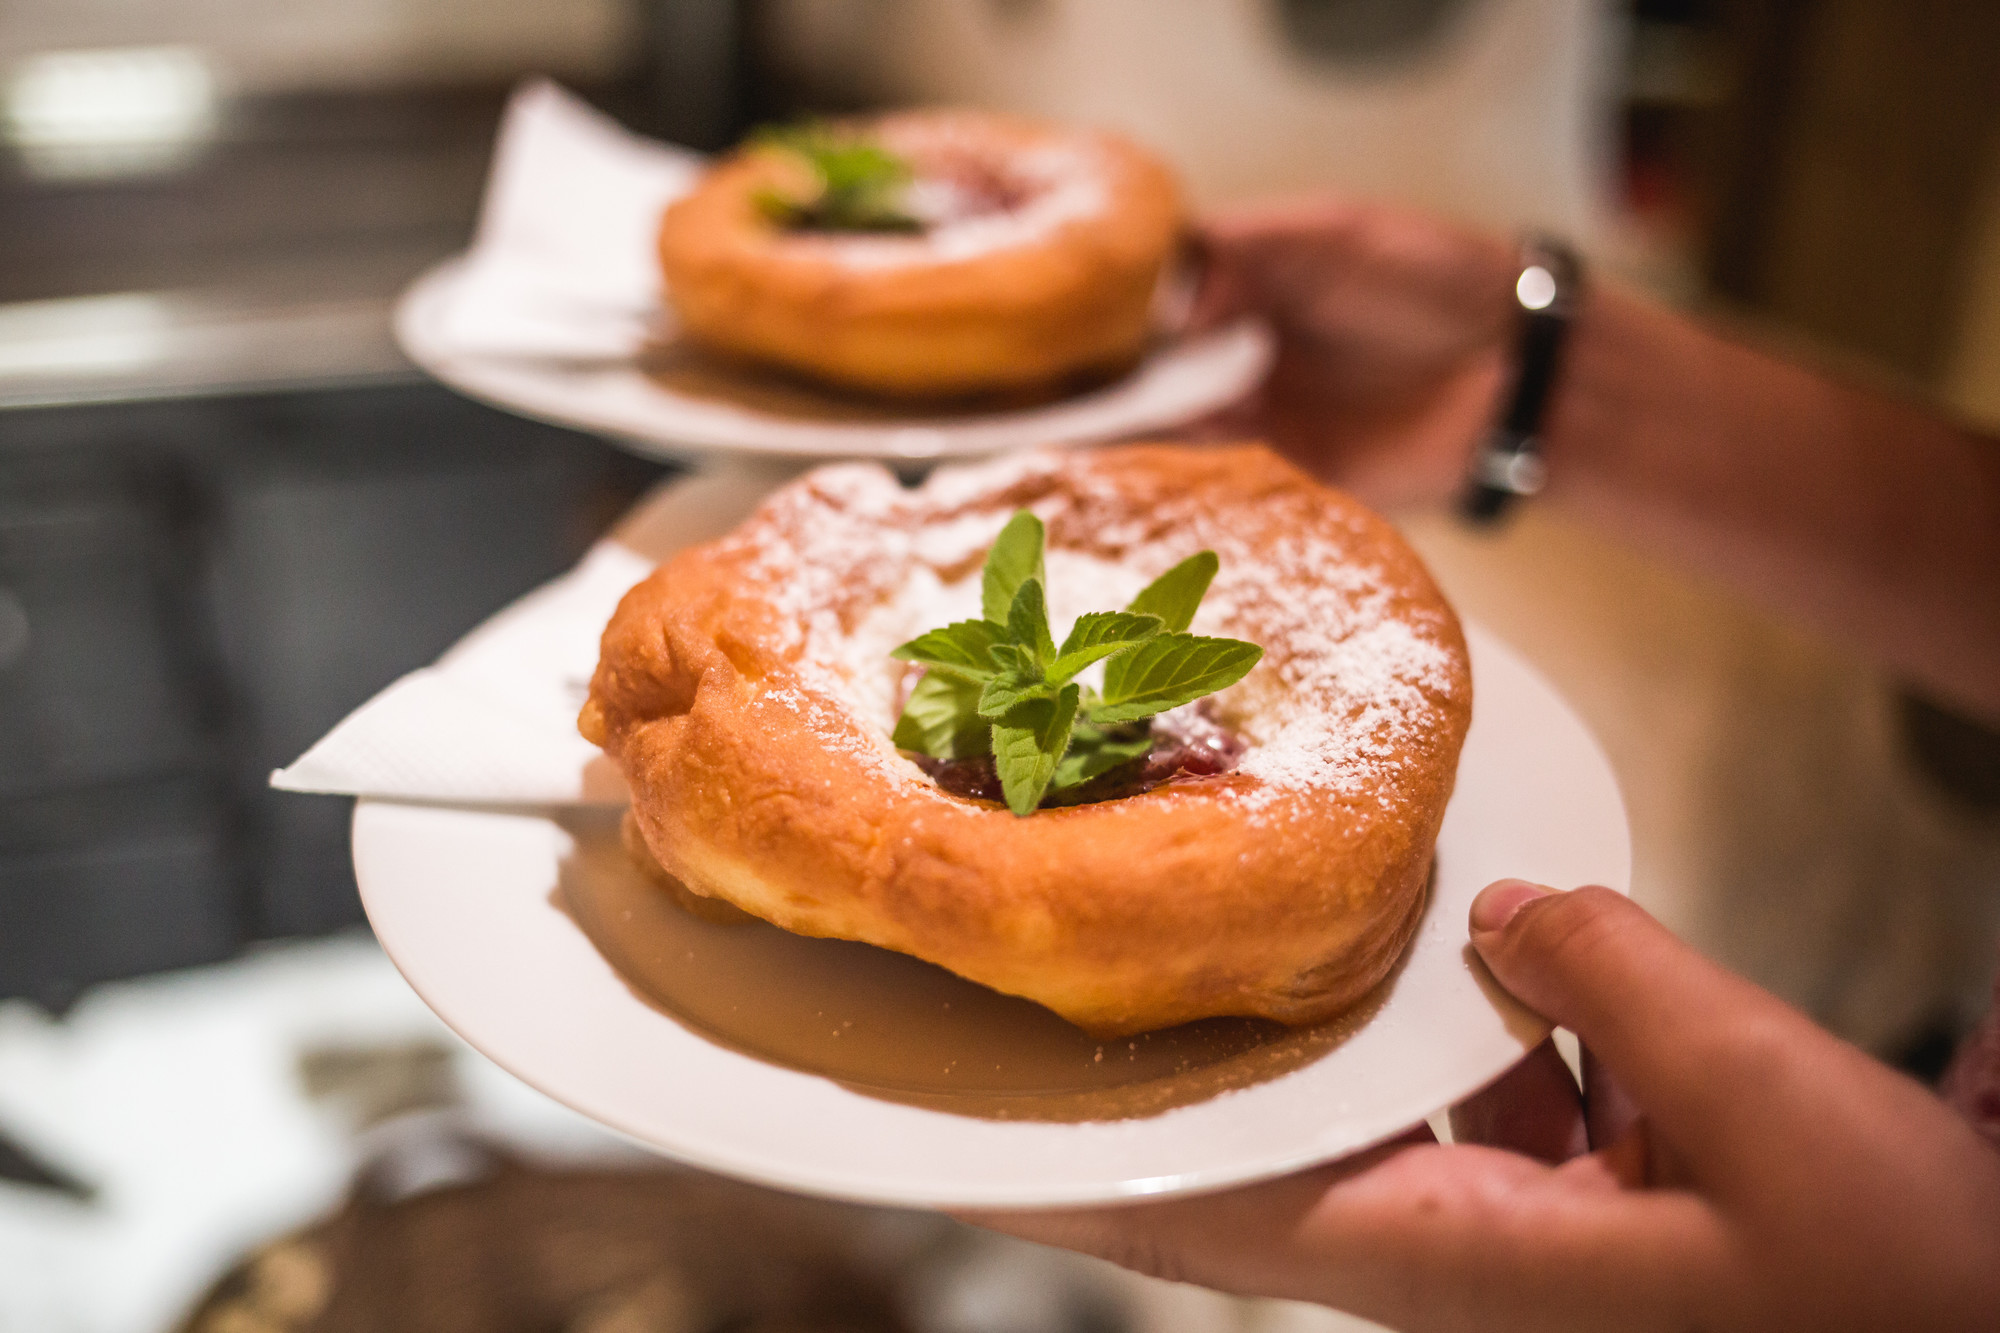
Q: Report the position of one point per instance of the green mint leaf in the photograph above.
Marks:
(860, 184)
(1000, 685)
(1015, 558)
(1028, 624)
(1094, 751)
(1171, 670)
(1013, 657)
(854, 166)
(963, 649)
(1010, 689)
(941, 719)
(1099, 635)
(1172, 597)
(1027, 746)
(778, 207)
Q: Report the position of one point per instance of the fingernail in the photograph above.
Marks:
(1497, 902)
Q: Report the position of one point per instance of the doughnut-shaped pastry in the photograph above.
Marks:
(1038, 256)
(747, 692)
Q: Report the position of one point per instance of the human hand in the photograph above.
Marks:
(1394, 330)
(1780, 1179)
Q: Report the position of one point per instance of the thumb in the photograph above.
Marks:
(1688, 1040)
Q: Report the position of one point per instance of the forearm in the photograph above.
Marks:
(1847, 508)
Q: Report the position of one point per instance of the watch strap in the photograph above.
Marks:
(1508, 463)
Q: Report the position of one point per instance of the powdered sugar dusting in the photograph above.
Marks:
(1356, 674)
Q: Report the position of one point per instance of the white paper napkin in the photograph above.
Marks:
(493, 721)
(562, 265)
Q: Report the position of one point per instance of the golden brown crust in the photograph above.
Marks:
(756, 743)
(715, 911)
(1072, 298)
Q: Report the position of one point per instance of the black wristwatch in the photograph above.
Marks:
(1508, 464)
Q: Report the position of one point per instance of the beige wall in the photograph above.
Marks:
(1502, 121)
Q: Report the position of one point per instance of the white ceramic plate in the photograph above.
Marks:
(684, 408)
(467, 904)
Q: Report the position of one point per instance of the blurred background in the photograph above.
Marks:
(230, 512)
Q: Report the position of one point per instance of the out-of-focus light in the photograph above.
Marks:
(1535, 289)
(129, 111)
(83, 335)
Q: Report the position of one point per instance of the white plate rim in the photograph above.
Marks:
(538, 1058)
(1177, 383)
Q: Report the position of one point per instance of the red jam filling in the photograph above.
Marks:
(964, 185)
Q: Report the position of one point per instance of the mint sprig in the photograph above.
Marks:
(1172, 597)
(1001, 685)
(860, 183)
(1014, 558)
(941, 719)
(1095, 750)
(1169, 670)
(963, 649)
(1028, 745)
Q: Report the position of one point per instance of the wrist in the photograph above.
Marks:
(1629, 386)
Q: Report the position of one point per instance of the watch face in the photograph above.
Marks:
(1536, 288)
(1516, 471)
